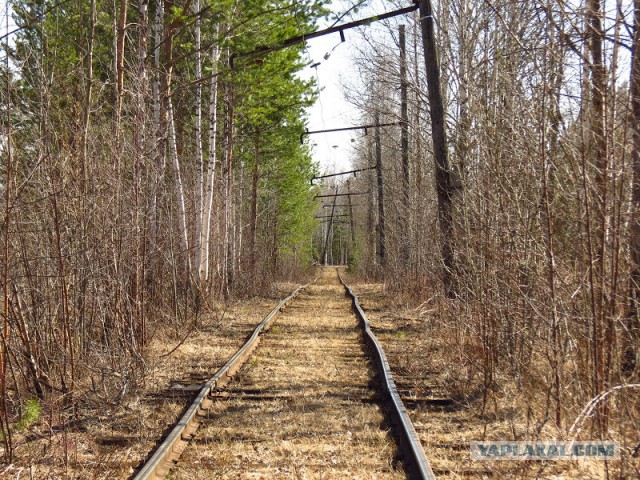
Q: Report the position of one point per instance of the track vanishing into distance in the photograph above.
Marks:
(316, 400)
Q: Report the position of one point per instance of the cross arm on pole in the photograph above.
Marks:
(340, 195)
(342, 205)
(342, 173)
(346, 129)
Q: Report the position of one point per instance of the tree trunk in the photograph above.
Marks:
(5, 427)
(227, 266)
(182, 213)
(254, 207)
(120, 42)
(84, 175)
(631, 350)
(86, 116)
(550, 88)
(211, 170)
(159, 146)
(601, 328)
(200, 201)
(138, 169)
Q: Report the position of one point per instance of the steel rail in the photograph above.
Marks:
(157, 465)
(417, 462)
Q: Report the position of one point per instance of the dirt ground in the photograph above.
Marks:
(302, 407)
(446, 421)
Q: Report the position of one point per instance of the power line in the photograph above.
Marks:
(327, 31)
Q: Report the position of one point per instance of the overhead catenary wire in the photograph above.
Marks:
(327, 31)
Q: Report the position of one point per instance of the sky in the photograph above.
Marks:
(4, 18)
(333, 151)
(331, 110)
(6, 24)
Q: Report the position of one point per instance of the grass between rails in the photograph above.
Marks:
(302, 407)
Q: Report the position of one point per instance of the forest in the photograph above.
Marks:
(152, 168)
(141, 177)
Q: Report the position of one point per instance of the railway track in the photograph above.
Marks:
(307, 404)
(445, 422)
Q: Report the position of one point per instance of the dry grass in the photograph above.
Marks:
(425, 365)
(108, 441)
(302, 407)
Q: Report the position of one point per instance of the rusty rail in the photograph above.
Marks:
(159, 464)
(415, 457)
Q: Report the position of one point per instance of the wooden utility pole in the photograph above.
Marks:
(353, 230)
(404, 147)
(373, 240)
(326, 241)
(380, 227)
(444, 184)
